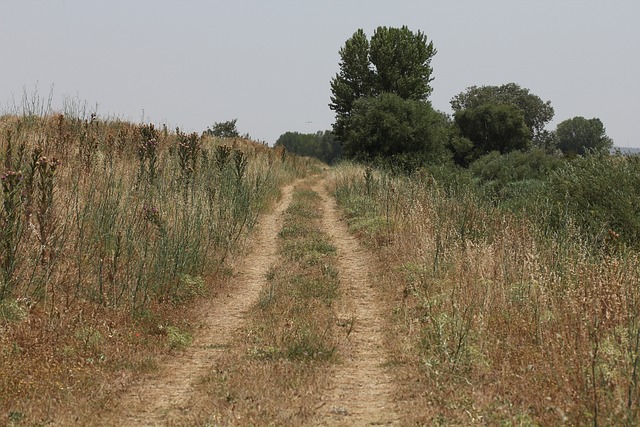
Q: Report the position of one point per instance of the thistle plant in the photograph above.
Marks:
(240, 162)
(223, 153)
(148, 152)
(44, 215)
(151, 214)
(88, 144)
(62, 135)
(29, 181)
(11, 227)
(189, 146)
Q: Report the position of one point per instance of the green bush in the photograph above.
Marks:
(601, 194)
(513, 175)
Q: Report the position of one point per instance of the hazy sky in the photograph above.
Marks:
(269, 62)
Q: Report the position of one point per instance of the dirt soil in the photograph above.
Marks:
(361, 390)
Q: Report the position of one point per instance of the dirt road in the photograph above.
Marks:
(361, 387)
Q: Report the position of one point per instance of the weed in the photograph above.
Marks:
(10, 222)
(189, 147)
(240, 162)
(223, 154)
(148, 153)
(177, 339)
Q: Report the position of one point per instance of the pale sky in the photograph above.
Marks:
(269, 63)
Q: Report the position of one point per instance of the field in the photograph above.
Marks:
(153, 277)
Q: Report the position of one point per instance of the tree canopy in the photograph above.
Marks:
(223, 129)
(321, 145)
(390, 72)
(493, 127)
(536, 112)
(579, 135)
(389, 126)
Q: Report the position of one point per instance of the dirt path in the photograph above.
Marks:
(361, 388)
(164, 398)
(361, 392)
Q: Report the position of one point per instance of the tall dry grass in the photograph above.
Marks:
(109, 230)
(495, 319)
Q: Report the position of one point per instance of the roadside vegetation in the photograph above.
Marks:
(321, 145)
(275, 370)
(508, 315)
(508, 252)
(110, 231)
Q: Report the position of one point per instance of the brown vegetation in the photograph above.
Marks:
(496, 322)
(111, 231)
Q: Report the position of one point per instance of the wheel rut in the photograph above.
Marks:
(164, 399)
(362, 386)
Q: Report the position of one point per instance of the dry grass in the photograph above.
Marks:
(104, 255)
(495, 322)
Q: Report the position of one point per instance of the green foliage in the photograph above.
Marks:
(354, 80)
(601, 194)
(493, 127)
(505, 176)
(178, 339)
(579, 135)
(401, 61)
(462, 150)
(536, 113)
(321, 145)
(388, 126)
(395, 62)
(223, 129)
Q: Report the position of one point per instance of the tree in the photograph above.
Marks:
(321, 145)
(388, 126)
(224, 129)
(579, 135)
(537, 113)
(396, 61)
(493, 127)
(402, 63)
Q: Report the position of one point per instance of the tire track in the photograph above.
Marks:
(163, 399)
(361, 392)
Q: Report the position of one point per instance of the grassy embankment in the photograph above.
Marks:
(110, 231)
(502, 318)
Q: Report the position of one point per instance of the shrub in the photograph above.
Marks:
(601, 194)
(506, 176)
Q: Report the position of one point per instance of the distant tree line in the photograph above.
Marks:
(382, 112)
(321, 145)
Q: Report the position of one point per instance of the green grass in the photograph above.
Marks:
(303, 287)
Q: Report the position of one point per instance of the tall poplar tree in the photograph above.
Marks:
(395, 61)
